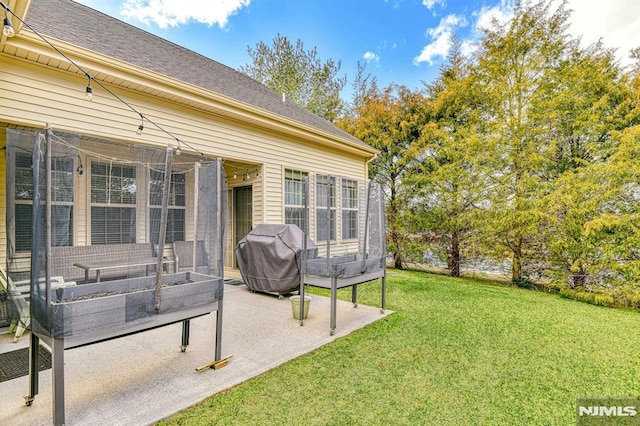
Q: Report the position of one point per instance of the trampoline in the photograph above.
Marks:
(349, 270)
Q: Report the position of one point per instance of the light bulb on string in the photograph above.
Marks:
(89, 92)
(141, 126)
(7, 28)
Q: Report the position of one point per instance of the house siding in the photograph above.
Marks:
(33, 95)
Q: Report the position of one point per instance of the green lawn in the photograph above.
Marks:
(454, 352)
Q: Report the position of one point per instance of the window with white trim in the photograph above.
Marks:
(113, 203)
(325, 208)
(294, 198)
(349, 209)
(62, 179)
(176, 206)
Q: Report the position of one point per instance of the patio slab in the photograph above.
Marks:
(143, 378)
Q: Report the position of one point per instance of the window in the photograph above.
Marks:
(62, 177)
(294, 182)
(325, 208)
(177, 206)
(113, 203)
(349, 209)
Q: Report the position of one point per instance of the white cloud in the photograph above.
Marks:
(370, 56)
(440, 36)
(430, 4)
(170, 13)
(616, 22)
(501, 12)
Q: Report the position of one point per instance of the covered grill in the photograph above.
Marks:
(269, 257)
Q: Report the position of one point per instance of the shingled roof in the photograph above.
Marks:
(82, 26)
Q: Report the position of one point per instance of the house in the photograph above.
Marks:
(269, 145)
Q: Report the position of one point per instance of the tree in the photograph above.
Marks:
(391, 120)
(299, 74)
(450, 180)
(512, 68)
(364, 86)
(590, 102)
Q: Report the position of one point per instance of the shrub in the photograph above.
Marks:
(585, 296)
(604, 300)
(567, 292)
(635, 301)
(523, 281)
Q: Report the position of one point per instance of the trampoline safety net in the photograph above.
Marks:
(116, 232)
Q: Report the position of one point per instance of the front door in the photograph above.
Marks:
(243, 212)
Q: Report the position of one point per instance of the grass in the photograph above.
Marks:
(456, 351)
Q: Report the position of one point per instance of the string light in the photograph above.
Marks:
(80, 169)
(7, 26)
(7, 29)
(141, 126)
(89, 92)
(235, 173)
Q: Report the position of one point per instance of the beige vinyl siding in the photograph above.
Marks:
(33, 95)
(274, 190)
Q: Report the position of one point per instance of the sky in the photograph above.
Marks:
(400, 41)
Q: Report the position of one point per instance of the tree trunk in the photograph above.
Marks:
(396, 251)
(516, 266)
(397, 261)
(453, 257)
(579, 278)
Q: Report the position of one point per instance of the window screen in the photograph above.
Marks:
(294, 198)
(113, 203)
(62, 173)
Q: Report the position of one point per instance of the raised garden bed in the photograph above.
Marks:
(93, 312)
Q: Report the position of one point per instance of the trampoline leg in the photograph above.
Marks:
(384, 293)
(301, 313)
(57, 364)
(185, 335)
(354, 296)
(219, 331)
(34, 370)
(334, 297)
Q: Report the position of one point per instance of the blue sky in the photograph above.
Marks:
(401, 41)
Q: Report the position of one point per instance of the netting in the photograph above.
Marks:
(117, 232)
(371, 254)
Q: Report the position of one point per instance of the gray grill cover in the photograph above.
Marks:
(269, 257)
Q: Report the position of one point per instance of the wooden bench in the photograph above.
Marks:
(134, 259)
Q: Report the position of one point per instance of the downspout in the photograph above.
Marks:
(366, 165)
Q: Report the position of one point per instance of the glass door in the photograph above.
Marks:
(243, 212)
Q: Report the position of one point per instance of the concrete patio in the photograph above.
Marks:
(143, 378)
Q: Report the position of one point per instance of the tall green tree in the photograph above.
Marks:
(299, 74)
(513, 65)
(590, 102)
(450, 180)
(391, 120)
